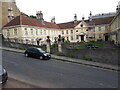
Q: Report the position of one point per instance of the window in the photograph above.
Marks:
(99, 28)
(81, 25)
(71, 31)
(62, 32)
(31, 31)
(41, 31)
(77, 36)
(106, 27)
(66, 31)
(93, 29)
(15, 31)
(76, 30)
(26, 32)
(100, 35)
(71, 37)
(87, 36)
(93, 35)
(67, 38)
(8, 33)
(36, 31)
(44, 32)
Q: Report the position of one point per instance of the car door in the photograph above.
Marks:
(30, 52)
(36, 53)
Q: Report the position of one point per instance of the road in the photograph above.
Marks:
(57, 74)
(13, 83)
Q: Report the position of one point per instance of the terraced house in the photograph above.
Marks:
(95, 28)
(24, 28)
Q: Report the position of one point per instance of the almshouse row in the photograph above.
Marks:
(102, 27)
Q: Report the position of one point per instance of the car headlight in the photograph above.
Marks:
(4, 71)
(45, 54)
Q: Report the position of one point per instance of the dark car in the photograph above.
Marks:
(3, 75)
(37, 53)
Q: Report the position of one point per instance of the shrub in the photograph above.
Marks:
(67, 42)
(54, 46)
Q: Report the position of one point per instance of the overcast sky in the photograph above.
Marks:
(64, 10)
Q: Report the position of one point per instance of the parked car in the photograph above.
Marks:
(3, 75)
(37, 53)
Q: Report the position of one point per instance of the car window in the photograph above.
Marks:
(40, 50)
(30, 49)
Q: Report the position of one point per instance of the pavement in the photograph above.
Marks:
(73, 60)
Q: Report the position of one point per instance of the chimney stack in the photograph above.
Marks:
(90, 16)
(10, 14)
(53, 20)
(118, 7)
(39, 16)
(75, 19)
(83, 18)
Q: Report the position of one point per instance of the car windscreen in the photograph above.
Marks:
(40, 50)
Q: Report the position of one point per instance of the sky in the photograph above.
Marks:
(64, 10)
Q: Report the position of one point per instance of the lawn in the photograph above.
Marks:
(85, 44)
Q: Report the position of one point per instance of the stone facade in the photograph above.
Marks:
(5, 7)
(115, 28)
(23, 28)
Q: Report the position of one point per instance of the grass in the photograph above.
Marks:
(85, 44)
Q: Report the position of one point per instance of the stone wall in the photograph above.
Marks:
(102, 55)
(20, 46)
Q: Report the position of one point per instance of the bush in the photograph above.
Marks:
(67, 42)
(54, 46)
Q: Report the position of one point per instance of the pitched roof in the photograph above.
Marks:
(24, 20)
(96, 21)
(100, 21)
(68, 25)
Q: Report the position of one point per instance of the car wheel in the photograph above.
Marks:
(41, 57)
(26, 54)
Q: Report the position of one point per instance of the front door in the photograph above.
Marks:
(82, 37)
(106, 38)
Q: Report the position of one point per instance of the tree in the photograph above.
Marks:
(32, 16)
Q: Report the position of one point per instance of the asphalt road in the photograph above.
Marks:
(57, 74)
(13, 83)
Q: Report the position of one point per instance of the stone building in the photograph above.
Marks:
(24, 28)
(29, 29)
(115, 27)
(95, 28)
(8, 11)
